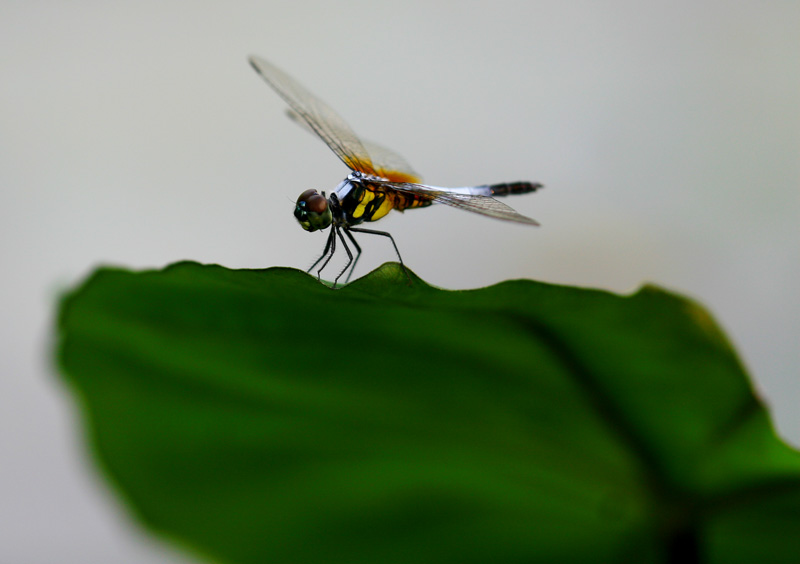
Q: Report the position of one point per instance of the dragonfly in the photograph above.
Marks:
(379, 181)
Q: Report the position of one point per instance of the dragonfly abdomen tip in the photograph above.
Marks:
(510, 188)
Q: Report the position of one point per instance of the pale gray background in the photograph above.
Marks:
(135, 133)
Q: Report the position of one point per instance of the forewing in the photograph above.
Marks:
(320, 117)
(484, 205)
(390, 165)
(386, 163)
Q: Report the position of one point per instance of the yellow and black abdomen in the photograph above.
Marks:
(365, 201)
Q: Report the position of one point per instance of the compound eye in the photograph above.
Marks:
(312, 211)
(315, 202)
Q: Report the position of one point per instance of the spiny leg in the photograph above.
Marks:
(324, 254)
(331, 244)
(385, 234)
(349, 255)
(358, 254)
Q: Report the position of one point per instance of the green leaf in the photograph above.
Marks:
(257, 416)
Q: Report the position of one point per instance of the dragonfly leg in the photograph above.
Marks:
(358, 254)
(330, 245)
(350, 260)
(385, 234)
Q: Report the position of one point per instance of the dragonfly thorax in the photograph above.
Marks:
(361, 197)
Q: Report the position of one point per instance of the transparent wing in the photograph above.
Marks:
(386, 162)
(474, 199)
(320, 117)
(390, 165)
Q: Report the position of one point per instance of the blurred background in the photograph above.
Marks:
(136, 134)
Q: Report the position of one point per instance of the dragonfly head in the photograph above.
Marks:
(312, 211)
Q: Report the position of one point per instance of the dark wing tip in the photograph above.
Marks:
(254, 62)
